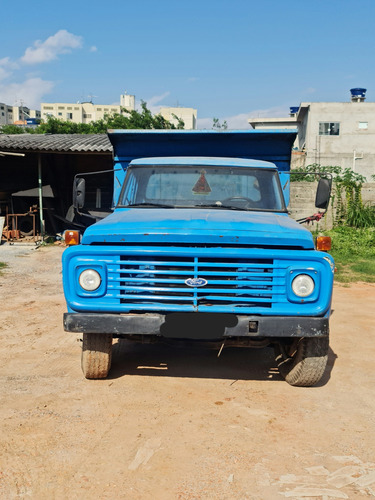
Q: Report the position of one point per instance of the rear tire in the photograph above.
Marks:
(303, 362)
(96, 355)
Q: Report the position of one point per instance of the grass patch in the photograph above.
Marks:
(354, 253)
(2, 265)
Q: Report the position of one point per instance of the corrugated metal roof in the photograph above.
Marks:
(68, 143)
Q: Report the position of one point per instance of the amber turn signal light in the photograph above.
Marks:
(323, 243)
(72, 238)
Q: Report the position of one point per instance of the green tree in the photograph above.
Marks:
(180, 122)
(12, 129)
(55, 126)
(347, 195)
(216, 125)
(143, 119)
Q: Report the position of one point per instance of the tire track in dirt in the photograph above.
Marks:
(176, 423)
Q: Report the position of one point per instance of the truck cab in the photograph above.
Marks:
(201, 248)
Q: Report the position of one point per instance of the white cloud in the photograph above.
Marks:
(93, 49)
(309, 90)
(152, 103)
(204, 123)
(6, 68)
(241, 121)
(30, 88)
(30, 91)
(237, 122)
(61, 42)
(274, 112)
(4, 73)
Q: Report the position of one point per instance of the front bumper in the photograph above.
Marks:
(239, 325)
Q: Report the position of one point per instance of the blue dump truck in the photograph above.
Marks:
(200, 247)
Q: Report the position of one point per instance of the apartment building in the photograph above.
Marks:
(6, 114)
(17, 115)
(331, 133)
(23, 113)
(86, 112)
(188, 115)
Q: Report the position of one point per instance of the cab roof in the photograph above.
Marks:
(201, 161)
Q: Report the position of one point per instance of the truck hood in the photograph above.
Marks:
(198, 226)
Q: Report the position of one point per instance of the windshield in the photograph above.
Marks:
(197, 186)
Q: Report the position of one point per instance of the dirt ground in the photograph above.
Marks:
(172, 423)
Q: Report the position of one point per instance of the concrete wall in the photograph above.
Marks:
(12, 114)
(188, 115)
(353, 148)
(302, 202)
(352, 141)
(85, 112)
(6, 114)
(127, 101)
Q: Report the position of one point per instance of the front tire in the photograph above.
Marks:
(96, 355)
(302, 363)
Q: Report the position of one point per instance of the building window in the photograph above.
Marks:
(59, 114)
(329, 128)
(69, 116)
(47, 107)
(69, 107)
(98, 109)
(87, 115)
(2, 113)
(363, 125)
(61, 107)
(76, 109)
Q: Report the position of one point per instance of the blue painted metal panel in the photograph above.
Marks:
(205, 226)
(267, 145)
(203, 161)
(241, 281)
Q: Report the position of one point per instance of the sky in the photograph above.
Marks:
(229, 59)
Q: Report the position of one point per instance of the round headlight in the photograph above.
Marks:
(303, 285)
(90, 280)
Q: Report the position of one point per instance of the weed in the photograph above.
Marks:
(347, 203)
(354, 253)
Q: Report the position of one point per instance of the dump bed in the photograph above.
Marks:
(269, 145)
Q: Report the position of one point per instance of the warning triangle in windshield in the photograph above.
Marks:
(202, 186)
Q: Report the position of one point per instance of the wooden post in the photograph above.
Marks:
(40, 188)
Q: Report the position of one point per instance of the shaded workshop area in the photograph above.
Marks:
(36, 179)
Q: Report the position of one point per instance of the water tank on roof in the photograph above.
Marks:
(294, 110)
(358, 94)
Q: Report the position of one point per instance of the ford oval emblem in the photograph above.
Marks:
(196, 282)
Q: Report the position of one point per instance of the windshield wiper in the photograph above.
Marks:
(226, 207)
(159, 205)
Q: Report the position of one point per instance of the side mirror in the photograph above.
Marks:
(323, 193)
(79, 190)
